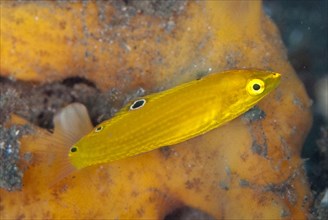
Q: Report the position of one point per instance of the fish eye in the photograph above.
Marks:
(137, 104)
(73, 149)
(255, 87)
(99, 128)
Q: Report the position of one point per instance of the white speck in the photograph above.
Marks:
(324, 201)
(141, 91)
(2, 145)
(227, 170)
(170, 26)
(209, 69)
(17, 132)
(127, 47)
(9, 150)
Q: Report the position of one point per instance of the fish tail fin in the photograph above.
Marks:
(51, 150)
(51, 154)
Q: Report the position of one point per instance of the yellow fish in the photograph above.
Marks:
(165, 118)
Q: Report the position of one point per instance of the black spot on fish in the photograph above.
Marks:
(99, 128)
(138, 104)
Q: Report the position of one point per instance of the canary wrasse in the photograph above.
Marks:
(160, 119)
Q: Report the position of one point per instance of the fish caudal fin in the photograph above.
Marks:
(70, 124)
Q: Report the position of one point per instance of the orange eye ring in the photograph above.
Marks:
(255, 87)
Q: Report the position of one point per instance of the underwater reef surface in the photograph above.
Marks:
(104, 54)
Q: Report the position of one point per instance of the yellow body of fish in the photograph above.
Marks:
(173, 116)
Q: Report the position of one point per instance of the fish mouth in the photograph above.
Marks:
(272, 81)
